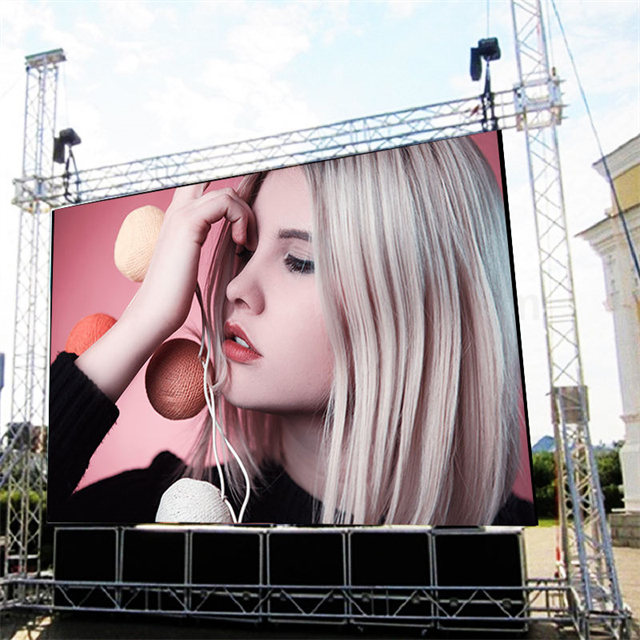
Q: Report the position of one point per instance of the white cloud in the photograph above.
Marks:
(92, 30)
(272, 34)
(401, 8)
(130, 14)
(134, 56)
(337, 21)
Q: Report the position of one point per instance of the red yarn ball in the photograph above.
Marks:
(174, 380)
(87, 331)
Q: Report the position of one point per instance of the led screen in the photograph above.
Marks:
(361, 348)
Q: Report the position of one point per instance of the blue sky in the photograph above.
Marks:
(150, 78)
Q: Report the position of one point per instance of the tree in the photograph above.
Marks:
(544, 484)
(610, 472)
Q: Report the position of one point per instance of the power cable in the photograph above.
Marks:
(488, 18)
(632, 249)
(8, 89)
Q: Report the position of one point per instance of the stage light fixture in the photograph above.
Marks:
(67, 138)
(488, 50)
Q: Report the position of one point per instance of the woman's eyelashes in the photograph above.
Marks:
(299, 265)
(293, 263)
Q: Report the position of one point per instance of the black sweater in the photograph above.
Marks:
(81, 415)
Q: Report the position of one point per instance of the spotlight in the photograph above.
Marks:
(67, 138)
(488, 50)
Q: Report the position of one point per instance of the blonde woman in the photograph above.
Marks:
(365, 347)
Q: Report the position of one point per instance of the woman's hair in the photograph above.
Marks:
(413, 273)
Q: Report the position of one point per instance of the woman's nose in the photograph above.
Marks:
(246, 290)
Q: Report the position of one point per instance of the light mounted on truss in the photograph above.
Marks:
(488, 50)
(67, 139)
(63, 154)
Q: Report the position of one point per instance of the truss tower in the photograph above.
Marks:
(24, 459)
(588, 558)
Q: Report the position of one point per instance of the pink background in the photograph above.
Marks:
(85, 281)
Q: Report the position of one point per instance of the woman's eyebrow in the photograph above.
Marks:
(294, 233)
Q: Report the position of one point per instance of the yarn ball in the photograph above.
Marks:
(135, 242)
(87, 331)
(174, 380)
(189, 500)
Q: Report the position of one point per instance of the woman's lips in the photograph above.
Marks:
(242, 353)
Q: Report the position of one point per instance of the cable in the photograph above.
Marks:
(209, 396)
(632, 249)
(12, 86)
(550, 38)
(67, 175)
(66, 95)
(488, 17)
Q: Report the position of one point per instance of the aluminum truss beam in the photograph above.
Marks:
(24, 459)
(420, 124)
(588, 557)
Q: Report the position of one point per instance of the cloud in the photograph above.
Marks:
(131, 15)
(272, 34)
(399, 9)
(133, 56)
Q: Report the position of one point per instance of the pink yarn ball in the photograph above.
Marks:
(174, 380)
(87, 331)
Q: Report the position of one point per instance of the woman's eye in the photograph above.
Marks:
(298, 265)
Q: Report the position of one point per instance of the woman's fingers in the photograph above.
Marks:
(167, 290)
(183, 195)
(226, 203)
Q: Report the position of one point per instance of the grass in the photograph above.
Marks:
(544, 522)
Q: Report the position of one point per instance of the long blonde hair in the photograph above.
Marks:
(413, 273)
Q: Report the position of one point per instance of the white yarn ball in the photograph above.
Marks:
(189, 500)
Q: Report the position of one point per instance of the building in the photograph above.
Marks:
(610, 240)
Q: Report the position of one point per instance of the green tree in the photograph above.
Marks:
(544, 484)
(610, 472)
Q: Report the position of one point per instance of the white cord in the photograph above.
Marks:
(210, 400)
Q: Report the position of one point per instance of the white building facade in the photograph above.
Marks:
(609, 240)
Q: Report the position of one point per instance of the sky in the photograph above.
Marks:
(145, 79)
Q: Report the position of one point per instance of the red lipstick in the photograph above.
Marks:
(237, 346)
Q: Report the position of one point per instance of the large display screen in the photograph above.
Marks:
(350, 323)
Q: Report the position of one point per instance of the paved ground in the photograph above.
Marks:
(540, 543)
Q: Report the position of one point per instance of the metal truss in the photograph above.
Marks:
(476, 608)
(23, 470)
(588, 558)
(420, 124)
(429, 600)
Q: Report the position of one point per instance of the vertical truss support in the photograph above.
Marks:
(588, 556)
(25, 453)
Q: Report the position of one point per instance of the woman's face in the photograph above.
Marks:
(276, 344)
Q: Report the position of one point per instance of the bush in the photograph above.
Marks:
(16, 496)
(545, 483)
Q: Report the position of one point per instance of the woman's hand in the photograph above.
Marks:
(166, 294)
(163, 302)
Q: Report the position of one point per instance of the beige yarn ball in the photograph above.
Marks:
(135, 242)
